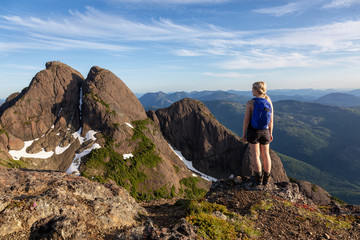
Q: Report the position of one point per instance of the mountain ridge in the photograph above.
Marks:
(156, 100)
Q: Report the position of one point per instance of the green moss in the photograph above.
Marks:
(192, 191)
(177, 169)
(99, 100)
(2, 131)
(104, 163)
(162, 192)
(145, 152)
(262, 205)
(214, 221)
(10, 163)
(338, 200)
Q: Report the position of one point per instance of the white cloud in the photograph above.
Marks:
(98, 26)
(341, 3)
(270, 48)
(262, 60)
(290, 8)
(187, 53)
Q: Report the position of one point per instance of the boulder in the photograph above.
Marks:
(54, 205)
(314, 192)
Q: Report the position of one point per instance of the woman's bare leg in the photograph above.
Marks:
(265, 154)
(255, 153)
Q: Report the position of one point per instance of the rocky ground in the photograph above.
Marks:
(278, 211)
(53, 205)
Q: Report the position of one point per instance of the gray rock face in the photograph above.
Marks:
(292, 191)
(191, 128)
(53, 205)
(48, 112)
(53, 93)
(107, 101)
(316, 193)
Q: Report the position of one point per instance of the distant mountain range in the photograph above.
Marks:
(340, 100)
(158, 100)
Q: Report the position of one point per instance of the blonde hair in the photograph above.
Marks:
(260, 87)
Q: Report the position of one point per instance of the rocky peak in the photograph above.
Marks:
(191, 128)
(108, 100)
(53, 93)
(42, 118)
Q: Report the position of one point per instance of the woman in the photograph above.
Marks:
(259, 139)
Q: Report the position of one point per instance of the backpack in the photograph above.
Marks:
(261, 115)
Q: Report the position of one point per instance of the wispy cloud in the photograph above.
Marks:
(341, 3)
(97, 30)
(98, 26)
(288, 9)
(261, 60)
(301, 6)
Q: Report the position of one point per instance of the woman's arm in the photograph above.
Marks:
(247, 118)
(271, 124)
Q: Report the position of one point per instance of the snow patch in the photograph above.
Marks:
(191, 167)
(129, 125)
(77, 135)
(60, 111)
(74, 167)
(90, 135)
(17, 154)
(128, 155)
(59, 150)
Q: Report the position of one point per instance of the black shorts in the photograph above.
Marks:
(254, 136)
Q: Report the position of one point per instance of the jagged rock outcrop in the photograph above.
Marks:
(46, 112)
(191, 128)
(108, 101)
(53, 94)
(54, 205)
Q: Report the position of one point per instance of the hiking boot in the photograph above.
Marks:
(266, 178)
(257, 178)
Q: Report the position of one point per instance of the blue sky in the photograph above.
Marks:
(185, 45)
